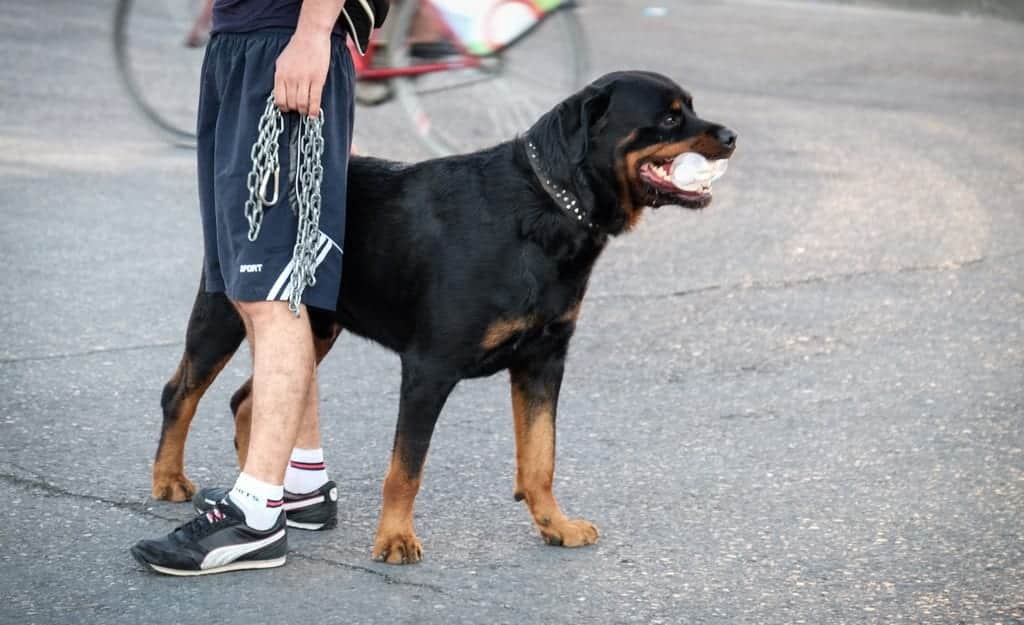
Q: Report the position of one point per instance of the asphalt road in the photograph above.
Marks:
(802, 405)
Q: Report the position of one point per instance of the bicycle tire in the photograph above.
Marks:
(171, 131)
(405, 88)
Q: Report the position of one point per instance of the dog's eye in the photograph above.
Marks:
(670, 121)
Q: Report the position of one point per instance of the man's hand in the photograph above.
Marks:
(302, 66)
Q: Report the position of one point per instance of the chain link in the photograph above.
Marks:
(265, 164)
(309, 173)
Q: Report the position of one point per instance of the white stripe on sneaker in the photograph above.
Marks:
(305, 526)
(222, 556)
(303, 503)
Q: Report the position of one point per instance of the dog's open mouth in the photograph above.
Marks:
(657, 188)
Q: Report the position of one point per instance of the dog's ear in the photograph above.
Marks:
(563, 134)
(584, 116)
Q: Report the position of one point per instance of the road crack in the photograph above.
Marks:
(52, 489)
(388, 579)
(141, 508)
(775, 285)
(90, 352)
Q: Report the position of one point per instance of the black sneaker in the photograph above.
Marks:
(317, 510)
(215, 542)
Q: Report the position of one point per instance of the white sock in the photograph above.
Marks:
(306, 471)
(261, 502)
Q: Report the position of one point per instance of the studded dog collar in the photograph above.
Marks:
(566, 200)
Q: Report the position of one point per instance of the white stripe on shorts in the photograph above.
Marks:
(323, 247)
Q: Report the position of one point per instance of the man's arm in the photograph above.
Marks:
(301, 69)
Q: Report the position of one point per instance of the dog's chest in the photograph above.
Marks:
(543, 300)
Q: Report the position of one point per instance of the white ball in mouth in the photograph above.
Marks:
(691, 169)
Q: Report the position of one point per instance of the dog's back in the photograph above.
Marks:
(423, 238)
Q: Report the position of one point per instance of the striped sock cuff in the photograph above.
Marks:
(307, 466)
(275, 503)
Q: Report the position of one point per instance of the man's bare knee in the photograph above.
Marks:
(259, 313)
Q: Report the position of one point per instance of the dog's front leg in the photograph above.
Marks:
(534, 404)
(424, 391)
(214, 333)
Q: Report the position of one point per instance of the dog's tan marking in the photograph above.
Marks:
(626, 181)
(535, 469)
(501, 331)
(396, 541)
(169, 481)
(573, 313)
(243, 420)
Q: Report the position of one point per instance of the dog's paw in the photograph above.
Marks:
(568, 533)
(401, 548)
(175, 487)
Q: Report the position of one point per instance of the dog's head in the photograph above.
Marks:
(611, 144)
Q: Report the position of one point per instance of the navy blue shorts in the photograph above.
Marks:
(237, 77)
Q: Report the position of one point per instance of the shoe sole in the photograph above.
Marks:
(243, 565)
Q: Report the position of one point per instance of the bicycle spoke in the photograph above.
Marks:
(452, 87)
(466, 109)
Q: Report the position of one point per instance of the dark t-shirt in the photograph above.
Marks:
(242, 16)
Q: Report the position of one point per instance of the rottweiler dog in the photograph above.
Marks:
(469, 265)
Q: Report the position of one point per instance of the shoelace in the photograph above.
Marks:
(204, 523)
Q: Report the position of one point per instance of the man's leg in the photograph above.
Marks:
(306, 469)
(310, 498)
(309, 430)
(247, 529)
(283, 371)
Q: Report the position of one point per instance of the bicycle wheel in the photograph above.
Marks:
(460, 110)
(157, 68)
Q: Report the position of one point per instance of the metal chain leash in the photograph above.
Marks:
(265, 164)
(309, 174)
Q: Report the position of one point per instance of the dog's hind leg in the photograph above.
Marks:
(215, 331)
(424, 391)
(241, 408)
(535, 390)
(325, 333)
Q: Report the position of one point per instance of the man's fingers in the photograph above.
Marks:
(280, 93)
(316, 91)
(292, 97)
(302, 98)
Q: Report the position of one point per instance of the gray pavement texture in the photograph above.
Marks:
(802, 405)
(1013, 9)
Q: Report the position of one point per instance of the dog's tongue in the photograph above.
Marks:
(691, 169)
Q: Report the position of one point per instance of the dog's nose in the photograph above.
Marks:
(726, 137)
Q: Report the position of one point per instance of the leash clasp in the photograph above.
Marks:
(276, 174)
